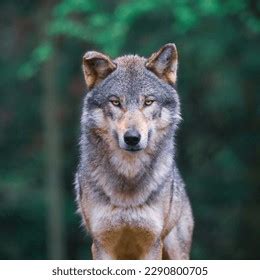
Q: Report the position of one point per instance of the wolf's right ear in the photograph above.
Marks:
(96, 67)
(164, 63)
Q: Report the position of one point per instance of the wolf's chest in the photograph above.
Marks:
(130, 223)
(109, 218)
(127, 233)
(127, 242)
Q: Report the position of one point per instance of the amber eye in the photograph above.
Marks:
(115, 102)
(148, 102)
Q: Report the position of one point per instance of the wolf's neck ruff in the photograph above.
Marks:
(128, 179)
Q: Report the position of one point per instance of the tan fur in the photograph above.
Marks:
(169, 73)
(96, 67)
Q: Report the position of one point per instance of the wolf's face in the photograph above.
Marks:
(130, 122)
(132, 102)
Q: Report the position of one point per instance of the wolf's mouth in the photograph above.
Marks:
(133, 149)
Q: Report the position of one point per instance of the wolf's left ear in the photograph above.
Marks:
(96, 67)
(164, 63)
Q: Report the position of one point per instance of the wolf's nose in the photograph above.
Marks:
(132, 137)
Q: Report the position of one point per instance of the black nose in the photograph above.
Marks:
(132, 137)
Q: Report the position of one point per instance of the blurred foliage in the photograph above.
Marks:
(218, 142)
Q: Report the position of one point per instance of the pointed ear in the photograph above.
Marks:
(164, 63)
(96, 67)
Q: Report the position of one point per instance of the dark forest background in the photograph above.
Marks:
(42, 87)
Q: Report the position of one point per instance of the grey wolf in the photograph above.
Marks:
(130, 194)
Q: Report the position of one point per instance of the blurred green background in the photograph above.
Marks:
(42, 87)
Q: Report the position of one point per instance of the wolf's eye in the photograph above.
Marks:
(115, 102)
(148, 102)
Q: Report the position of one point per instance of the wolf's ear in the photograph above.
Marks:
(96, 67)
(164, 63)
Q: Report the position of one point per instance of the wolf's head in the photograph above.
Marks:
(132, 102)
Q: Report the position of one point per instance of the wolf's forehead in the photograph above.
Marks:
(130, 76)
(131, 63)
(131, 80)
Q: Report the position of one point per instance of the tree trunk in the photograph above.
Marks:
(53, 160)
(52, 152)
